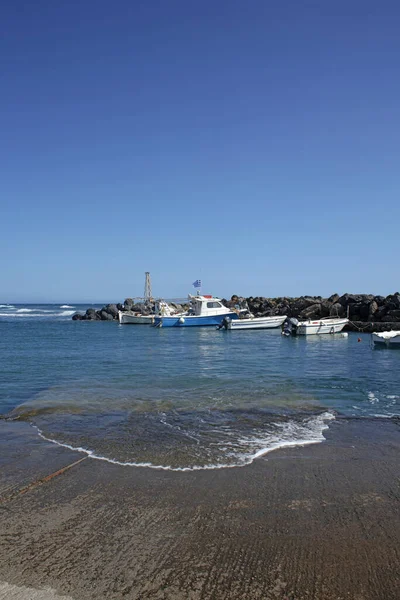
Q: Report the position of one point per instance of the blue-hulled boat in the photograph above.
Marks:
(204, 311)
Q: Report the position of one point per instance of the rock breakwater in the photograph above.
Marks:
(109, 312)
(365, 311)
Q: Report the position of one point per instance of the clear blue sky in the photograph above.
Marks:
(254, 145)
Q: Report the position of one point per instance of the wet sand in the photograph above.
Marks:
(320, 522)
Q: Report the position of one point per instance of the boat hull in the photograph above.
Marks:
(322, 326)
(192, 321)
(125, 318)
(388, 342)
(257, 323)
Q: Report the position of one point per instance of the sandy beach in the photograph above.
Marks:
(319, 522)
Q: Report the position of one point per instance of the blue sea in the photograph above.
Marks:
(182, 399)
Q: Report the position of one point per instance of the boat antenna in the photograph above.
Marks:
(147, 288)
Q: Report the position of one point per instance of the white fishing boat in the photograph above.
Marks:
(128, 317)
(162, 309)
(249, 321)
(390, 339)
(205, 310)
(317, 326)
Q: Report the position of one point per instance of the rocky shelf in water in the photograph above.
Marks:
(366, 311)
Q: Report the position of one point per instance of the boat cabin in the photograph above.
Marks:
(206, 306)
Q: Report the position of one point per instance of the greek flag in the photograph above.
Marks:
(197, 283)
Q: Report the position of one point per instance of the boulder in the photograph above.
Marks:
(372, 309)
(128, 303)
(112, 309)
(105, 316)
(337, 310)
(267, 313)
(325, 308)
(281, 309)
(91, 315)
(354, 311)
(393, 301)
(77, 317)
(380, 314)
(364, 310)
(350, 299)
(334, 298)
(393, 316)
(297, 305)
(312, 312)
(255, 307)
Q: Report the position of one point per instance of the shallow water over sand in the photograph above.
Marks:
(187, 398)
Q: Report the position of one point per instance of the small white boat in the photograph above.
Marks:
(390, 339)
(162, 308)
(318, 326)
(251, 322)
(128, 317)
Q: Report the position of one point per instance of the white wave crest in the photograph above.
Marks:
(7, 306)
(372, 398)
(388, 416)
(26, 313)
(26, 310)
(66, 306)
(292, 434)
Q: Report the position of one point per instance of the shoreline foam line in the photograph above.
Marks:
(327, 416)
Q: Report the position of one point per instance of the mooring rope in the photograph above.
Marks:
(359, 328)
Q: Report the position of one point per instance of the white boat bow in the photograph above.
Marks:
(389, 339)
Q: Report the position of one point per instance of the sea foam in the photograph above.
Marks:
(291, 434)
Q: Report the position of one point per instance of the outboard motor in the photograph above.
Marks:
(224, 323)
(290, 327)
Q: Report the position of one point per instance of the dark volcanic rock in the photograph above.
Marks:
(91, 315)
(393, 301)
(105, 316)
(325, 308)
(312, 312)
(337, 310)
(393, 315)
(362, 308)
(347, 299)
(128, 303)
(380, 314)
(112, 309)
(372, 310)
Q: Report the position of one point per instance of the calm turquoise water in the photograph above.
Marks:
(184, 398)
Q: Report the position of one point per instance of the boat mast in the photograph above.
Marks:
(147, 288)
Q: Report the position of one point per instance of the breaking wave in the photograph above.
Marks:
(43, 315)
(40, 311)
(232, 449)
